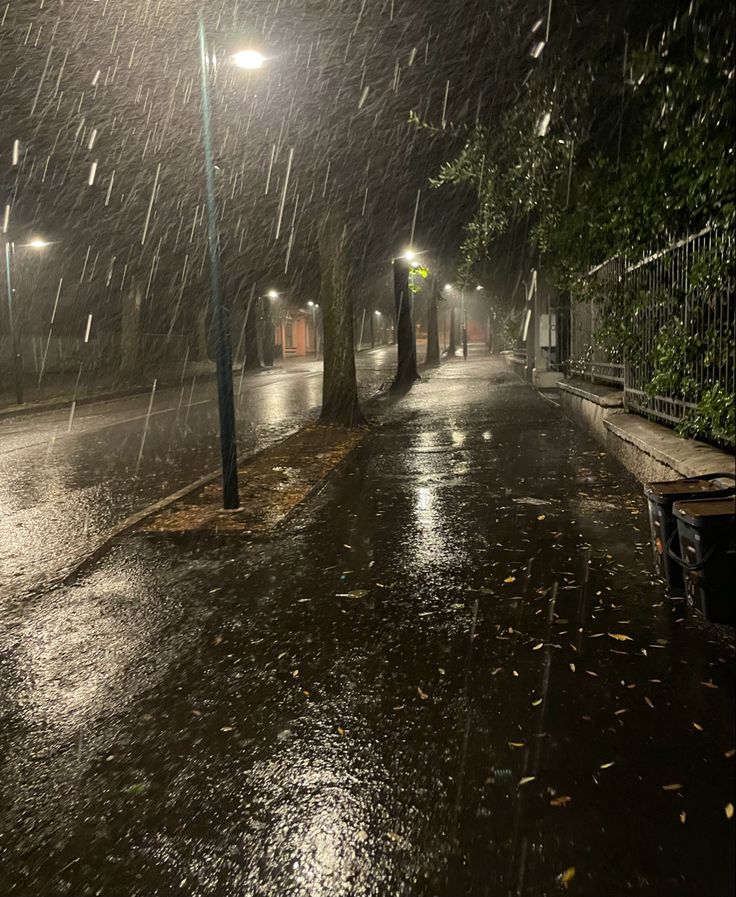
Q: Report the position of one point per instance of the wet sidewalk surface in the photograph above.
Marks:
(451, 673)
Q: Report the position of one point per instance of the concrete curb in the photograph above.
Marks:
(133, 520)
(101, 398)
(104, 541)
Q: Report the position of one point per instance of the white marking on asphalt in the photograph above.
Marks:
(130, 420)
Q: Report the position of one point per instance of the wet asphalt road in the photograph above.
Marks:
(61, 489)
(449, 674)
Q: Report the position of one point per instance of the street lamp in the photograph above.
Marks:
(274, 296)
(314, 306)
(465, 324)
(247, 59)
(36, 243)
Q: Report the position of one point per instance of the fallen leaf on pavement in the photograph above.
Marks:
(698, 727)
(526, 779)
(649, 703)
(620, 637)
(515, 744)
(537, 702)
(510, 579)
(567, 876)
(728, 809)
(561, 801)
(341, 731)
(674, 787)
(537, 647)
(730, 753)
(607, 765)
(683, 817)
(422, 694)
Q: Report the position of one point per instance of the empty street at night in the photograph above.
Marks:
(367, 448)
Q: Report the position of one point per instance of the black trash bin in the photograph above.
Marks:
(661, 496)
(707, 555)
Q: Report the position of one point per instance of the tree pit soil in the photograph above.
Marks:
(272, 484)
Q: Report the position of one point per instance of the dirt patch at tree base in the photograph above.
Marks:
(272, 484)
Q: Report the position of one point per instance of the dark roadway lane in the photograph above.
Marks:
(60, 490)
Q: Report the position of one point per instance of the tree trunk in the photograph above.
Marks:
(452, 348)
(201, 334)
(433, 332)
(251, 335)
(130, 327)
(406, 371)
(340, 389)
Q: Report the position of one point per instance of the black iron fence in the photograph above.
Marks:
(662, 327)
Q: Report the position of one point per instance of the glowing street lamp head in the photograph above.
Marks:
(310, 304)
(448, 286)
(479, 287)
(249, 59)
(377, 312)
(272, 294)
(37, 243)
(410, 256)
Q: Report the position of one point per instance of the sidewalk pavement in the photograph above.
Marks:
(449, 673)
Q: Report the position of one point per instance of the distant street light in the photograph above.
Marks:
(479, 287)
(246, 59)
(36, 243)
(314, 306)
(274, 296)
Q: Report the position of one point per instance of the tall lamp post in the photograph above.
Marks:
(14, 335)
(464, 324)
(274, 297)
(247, 59)
(314, 306)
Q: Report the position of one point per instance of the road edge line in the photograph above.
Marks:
(130, 522)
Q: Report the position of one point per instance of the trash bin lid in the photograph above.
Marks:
(705, 511)
(672, 490)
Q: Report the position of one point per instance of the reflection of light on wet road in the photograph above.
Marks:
(303, 812)
(58, 489)
(75, 652)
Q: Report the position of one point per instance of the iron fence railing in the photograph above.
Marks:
(676, 343)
